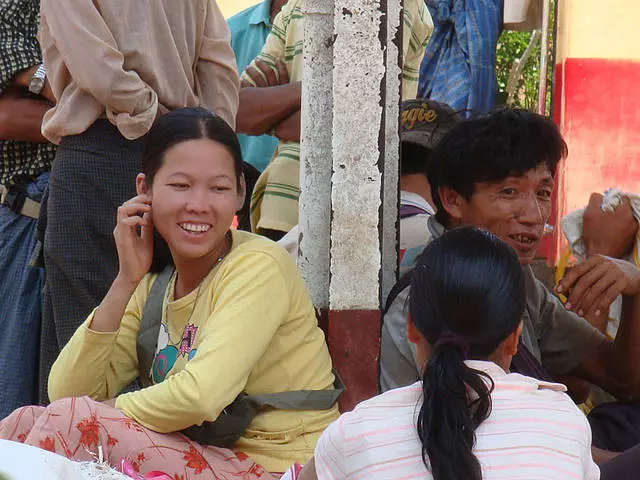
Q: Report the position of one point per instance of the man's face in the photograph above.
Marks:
(515, 210)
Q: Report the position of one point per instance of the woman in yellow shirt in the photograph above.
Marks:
(236, 318)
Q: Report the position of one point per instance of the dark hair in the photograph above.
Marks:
(490, 148)
(179, 126)
(467, 295)
(414, 158)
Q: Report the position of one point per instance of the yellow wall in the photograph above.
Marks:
(231, 7)
(599, 29)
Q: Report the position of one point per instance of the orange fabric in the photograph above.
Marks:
(75, 427)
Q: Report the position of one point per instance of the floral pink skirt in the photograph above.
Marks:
(75, 427)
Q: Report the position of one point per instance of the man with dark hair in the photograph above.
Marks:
(497, 172)
(422, 124)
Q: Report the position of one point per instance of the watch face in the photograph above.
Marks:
(36, 85)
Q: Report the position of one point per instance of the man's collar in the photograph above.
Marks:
(435, 228)
(262, 14)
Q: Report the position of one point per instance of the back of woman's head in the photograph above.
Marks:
(467, 296)
(177, 126)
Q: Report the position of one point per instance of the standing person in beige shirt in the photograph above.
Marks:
(113, 67)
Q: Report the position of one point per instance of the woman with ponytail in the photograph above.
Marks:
(468, 419)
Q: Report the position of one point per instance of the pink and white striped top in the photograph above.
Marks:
(534, 432)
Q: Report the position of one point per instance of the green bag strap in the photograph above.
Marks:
(148, 342)
(300, 399)
(150, 325)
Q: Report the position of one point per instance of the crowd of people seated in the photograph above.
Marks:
(171, 338)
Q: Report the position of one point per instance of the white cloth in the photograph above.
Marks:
(24, 462)
(290, 242)
(534, 430)
(572, 228)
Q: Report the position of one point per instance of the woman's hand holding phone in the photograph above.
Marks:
(134, 238)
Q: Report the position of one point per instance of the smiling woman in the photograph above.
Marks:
(210, 289)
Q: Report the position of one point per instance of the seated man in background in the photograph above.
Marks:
(422, 124)
(497, 172)
(270, 101)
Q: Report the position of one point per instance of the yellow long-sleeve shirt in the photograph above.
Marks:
(249, 327)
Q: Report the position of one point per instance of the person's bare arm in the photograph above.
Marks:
(289, 129)
(592, 287)
(608, 233)
(601, 456)
(308, 472)
(261, 109)
(21, 118)
(267, 98)
(24, 77)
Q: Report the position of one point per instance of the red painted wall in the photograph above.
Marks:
(597, 105)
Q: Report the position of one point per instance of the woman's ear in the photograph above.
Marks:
(141, 184)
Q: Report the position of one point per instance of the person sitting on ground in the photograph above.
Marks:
(270, 102)
(497, 172)
(233, 317)
(113, 67)
(467, 418)
(422, 124)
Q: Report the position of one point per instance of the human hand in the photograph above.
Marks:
(23, 78)
(608, 233)
(263, 75)
(592, 286)
(135, 250)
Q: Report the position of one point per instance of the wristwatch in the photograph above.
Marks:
(36, 83)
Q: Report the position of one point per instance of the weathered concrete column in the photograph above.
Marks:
(359, 147)
(391, 172)
(349, 176)
(315, 149)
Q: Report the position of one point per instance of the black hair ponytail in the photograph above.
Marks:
(448, 417)
(467, 296)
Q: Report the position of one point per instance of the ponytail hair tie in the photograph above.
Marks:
(452, 339)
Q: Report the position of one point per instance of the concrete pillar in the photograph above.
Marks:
(315, 150)
(391, 171)
(349, 176)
